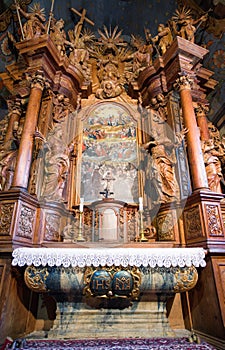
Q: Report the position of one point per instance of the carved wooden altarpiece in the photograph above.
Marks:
(106, 141)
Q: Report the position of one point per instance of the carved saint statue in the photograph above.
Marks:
(8, 154)
(58, 36)
(34, 26)
(161, 172)
(161, 184)
(184, 25)
(56, 166)
(163, 39)
(212, 165)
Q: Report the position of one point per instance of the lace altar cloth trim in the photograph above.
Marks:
(81, 257)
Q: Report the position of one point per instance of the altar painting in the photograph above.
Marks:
(109, 151)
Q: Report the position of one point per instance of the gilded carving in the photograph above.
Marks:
(165, 224)
(35, 278)
(6, 211)
(185, 280)
(25, 222)
(34, 26)
(214, 225)
(183, 23)
(58, 36)
(142, 57)
(163, 39)
(112, 282)
(52, 227)
(193, 222)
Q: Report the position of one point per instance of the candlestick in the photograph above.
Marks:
(142, 236)
(80, 237)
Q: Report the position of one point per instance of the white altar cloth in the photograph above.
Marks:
(81, 257)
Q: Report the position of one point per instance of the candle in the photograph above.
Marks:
(81, 205)
(141, 203)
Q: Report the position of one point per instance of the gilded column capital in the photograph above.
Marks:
(184, 82)
(38, 80)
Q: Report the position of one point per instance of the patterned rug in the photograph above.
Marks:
(113, 344)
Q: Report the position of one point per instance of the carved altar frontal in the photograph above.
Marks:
(110, 289)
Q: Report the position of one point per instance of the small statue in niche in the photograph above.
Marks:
(56, 170)
(163, 39)
(184, 25)
(212, 165)
(34, 26)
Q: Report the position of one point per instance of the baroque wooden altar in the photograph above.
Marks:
(110, 122)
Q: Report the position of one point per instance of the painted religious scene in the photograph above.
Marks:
(109, 154)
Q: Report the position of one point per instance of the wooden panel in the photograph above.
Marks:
(219, 273)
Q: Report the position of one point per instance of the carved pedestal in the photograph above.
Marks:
(203, 221)
(18, 218)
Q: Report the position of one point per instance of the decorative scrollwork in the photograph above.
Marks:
(35, 278)
(213, 220)
(6, 211)
(185, 279)
(26, 220)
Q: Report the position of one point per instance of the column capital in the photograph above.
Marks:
(201, 110)
(184, 82)
(14, 106)
(38, 80)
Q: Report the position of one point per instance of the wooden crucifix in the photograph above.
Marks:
(79, 25)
